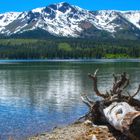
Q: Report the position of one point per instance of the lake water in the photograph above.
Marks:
(36, 96)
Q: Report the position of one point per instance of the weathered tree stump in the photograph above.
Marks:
(122, 112)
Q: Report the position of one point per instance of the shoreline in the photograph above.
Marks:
(2, 61)
(77, 131)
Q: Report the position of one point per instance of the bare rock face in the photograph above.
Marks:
(85, 25)
(67, 20)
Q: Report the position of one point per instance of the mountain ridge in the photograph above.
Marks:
(65, 20)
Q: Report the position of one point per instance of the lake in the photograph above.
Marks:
(36, 96)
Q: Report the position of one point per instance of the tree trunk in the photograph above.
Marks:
(123, 117)
(122, 112)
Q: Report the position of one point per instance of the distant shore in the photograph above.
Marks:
(68, 60)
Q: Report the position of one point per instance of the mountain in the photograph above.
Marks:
(65, 20)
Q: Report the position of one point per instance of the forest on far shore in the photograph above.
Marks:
(68, 49)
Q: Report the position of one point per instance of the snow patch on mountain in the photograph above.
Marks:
(38, 10)
(67, 20)
(7, 18)
(133, 17)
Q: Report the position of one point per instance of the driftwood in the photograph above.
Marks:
(117, 109)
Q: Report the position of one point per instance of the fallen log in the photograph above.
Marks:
(117, 109)
(122, 117)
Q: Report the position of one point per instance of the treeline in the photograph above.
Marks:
(65, 48)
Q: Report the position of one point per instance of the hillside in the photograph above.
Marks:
(68, 48)
(65, 20)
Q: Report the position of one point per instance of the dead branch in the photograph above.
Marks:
(87, 101)
(138, 90)
(120, 84)
(116, 108)
(115, 78)
(94, 78)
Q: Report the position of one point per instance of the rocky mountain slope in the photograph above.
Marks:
(65, 20)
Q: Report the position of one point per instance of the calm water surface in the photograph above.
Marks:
(37, 96)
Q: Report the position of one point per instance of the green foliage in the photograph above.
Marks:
(66, 48)
(17, 41)
(114, 56)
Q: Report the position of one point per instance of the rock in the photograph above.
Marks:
(80, 131)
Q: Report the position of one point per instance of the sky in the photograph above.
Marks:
(26, 5)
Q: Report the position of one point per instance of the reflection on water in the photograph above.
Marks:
(35, 97)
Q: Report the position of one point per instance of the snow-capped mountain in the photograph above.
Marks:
(67, 20)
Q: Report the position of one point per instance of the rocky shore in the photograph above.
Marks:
(78, 131)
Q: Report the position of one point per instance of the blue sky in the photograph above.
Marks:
(25, 5)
